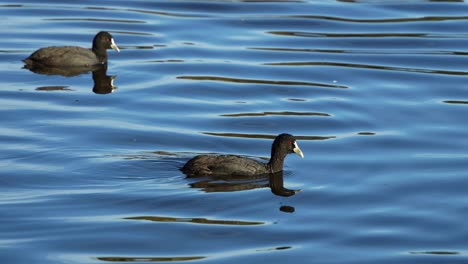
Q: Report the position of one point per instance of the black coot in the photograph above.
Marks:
(222, 165)
(70, 56)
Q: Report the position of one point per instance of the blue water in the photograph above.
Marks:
(375, 92)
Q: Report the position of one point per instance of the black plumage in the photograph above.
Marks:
(225, 165)
(71, 56)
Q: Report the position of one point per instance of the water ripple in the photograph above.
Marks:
(366, 35)
(149, 259)
(285, 113)
(263, 136)
(384, 20)
(193, 220)
(367, 66)
(256, 81)
(107, 20)
(375, 93)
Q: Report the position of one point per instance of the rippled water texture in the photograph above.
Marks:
(375, 91)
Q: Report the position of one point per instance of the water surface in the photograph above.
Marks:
(375, 92)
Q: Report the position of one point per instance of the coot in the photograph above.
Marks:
(222, 165)
(71, 56)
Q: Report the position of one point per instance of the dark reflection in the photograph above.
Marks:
(97, 20)
(435, 252)
(11, 5)
(274, 249)
(166, 61)
(455, 102)
(149, 259)
(300, 50)
(374, 52)
(205, 221)
(238, 80)
(366, 66)
(366, 133)
(64, 71)
(159, 13)
(277, 185)
(385, 20)
(287, 209)
(284, 113)
(53, 88)
(230, 183)
(103, 83)
(238, 135)
(360, 35)
(274, 181)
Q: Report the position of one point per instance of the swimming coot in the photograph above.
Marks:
(222, 165)
(70, 56)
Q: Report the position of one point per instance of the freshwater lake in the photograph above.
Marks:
(375, 91)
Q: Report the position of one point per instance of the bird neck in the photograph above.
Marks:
(101, 54)
(276, 162)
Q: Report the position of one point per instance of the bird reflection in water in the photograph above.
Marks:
(103, 83)
(274, 181)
